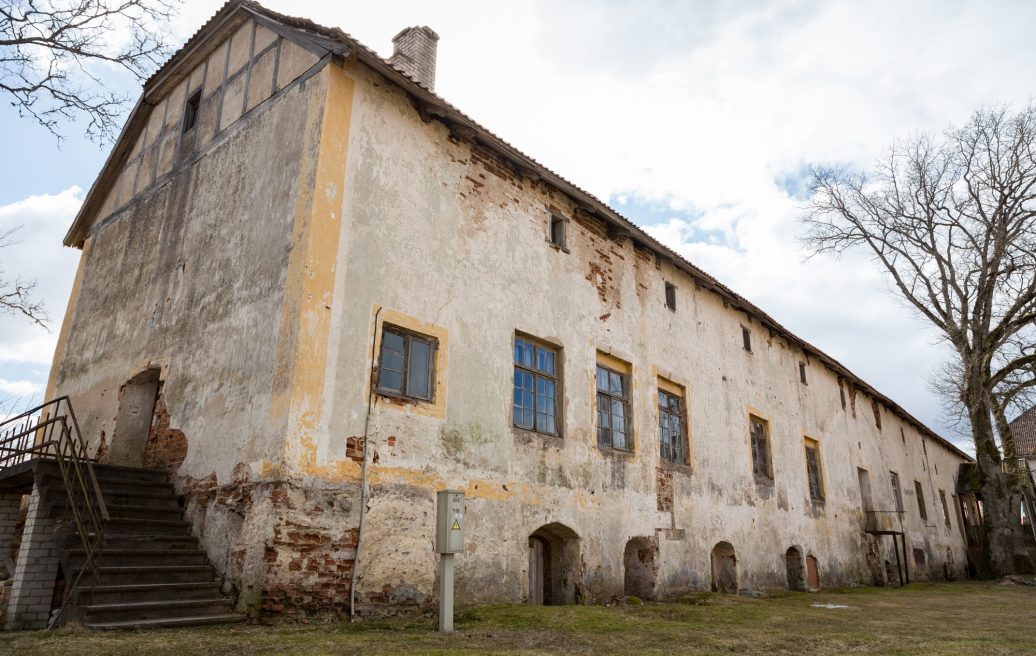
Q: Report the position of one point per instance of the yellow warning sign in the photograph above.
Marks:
(456, 526)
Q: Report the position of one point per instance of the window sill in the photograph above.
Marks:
(527, 436)
(669, 465)
(612, 452)
(400, 400)
(557, 247)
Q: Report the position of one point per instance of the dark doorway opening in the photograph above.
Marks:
(793, 561)
(553, 565)
(641, 568)
(724, 568)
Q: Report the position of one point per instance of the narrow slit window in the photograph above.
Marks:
(190, 111)
(816, 483)
(897, 494)
(841, 394)
(945, 508)
(760, 433)
(921, 507)
(406, 365)
(746, 338)
(802, 373)
(557, 230)
(670, 296)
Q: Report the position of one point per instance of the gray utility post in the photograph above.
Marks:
(449, 539)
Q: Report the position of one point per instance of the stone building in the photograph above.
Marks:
(314, 293)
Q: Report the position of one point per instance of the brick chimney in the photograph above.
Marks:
(413, 50)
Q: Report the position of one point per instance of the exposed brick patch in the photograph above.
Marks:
(354, 448)
(664, 484)
(166, 446)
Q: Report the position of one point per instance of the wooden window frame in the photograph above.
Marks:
(408, 337)
(191, 108)
(921, 506)
(897, 490)
(802, 373)
(670, 296)
(556, 220)
(817, 495)
(537, 374)
(767, 474)
(945, 508)
(746, 339)
(611, 397)
(664, 411)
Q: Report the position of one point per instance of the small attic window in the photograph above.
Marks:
(190, 111)
(670, 296)
(746, 338)
(557, 230)
(802, 373)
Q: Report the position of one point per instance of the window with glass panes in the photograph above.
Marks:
(760, 448)
(816, 486)
(535, 386)
(613, 420)
(671, 427)
(406, 364)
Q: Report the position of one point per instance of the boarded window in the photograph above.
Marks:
(670, 296)
(535, 386)
(746, 338)
(897, 495)
(558, 226)
(802, 373)
(671, 435)
(760, 448)
(816, 485)
(406, 364)
(921, 508)
(190, 110)
(613, 420)
(945, 508)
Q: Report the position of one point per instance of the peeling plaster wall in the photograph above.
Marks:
(439, 231)
(189, 276)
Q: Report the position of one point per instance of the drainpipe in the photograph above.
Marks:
(363, 477)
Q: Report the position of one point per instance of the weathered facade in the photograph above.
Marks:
(282, 199)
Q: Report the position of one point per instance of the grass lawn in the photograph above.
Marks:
(960, 618)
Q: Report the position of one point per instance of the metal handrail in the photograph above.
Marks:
(51, 431)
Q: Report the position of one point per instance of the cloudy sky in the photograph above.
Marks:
(697, 120)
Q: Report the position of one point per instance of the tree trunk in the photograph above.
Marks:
(1001, 496)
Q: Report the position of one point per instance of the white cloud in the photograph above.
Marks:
(21, 388)
(26, 349)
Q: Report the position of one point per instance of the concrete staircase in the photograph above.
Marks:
(152, 572)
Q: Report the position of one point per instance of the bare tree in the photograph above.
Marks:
(16, 296)
(51, 52)
(952, 220)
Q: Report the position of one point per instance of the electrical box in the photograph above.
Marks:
(449, 525)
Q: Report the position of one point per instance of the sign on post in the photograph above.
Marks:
(449, 539)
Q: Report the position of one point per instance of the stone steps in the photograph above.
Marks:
(151, 571)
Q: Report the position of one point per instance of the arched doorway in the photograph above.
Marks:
(724, 568)
(641, 568)
(812, 574)
(133, 421)
(553, 565)
(793, 561)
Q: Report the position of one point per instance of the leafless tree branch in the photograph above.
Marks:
(50, 48)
